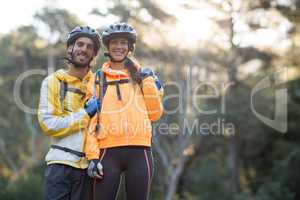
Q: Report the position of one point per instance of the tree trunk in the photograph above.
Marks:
(232, 64)
(233, 164)
(175, 173)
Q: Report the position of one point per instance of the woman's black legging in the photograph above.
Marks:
(136, 162)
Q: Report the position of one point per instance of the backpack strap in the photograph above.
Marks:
(62, 93)
(64, 88)
(77, 153)
(100, 80)
(76, 90)
(117, 84)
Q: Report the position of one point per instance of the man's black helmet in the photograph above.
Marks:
(120, 29)
(84, 31)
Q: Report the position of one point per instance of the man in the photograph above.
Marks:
(63, 115)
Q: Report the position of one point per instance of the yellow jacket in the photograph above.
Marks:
(125, 121)
(65, 123)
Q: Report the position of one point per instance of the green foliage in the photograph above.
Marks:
(204, 179)
(29, 187)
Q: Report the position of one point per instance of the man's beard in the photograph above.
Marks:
(79, 64)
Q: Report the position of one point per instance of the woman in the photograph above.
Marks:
(119, 137)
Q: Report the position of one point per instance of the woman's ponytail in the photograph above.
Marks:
(130, 65)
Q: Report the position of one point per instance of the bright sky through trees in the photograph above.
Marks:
(192, 28)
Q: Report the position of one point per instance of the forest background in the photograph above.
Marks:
(231, 73)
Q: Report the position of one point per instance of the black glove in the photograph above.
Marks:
(95, 169)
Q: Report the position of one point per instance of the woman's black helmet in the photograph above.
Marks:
(120, 29)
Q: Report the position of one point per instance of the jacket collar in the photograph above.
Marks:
(118, 74)
(64, 76)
